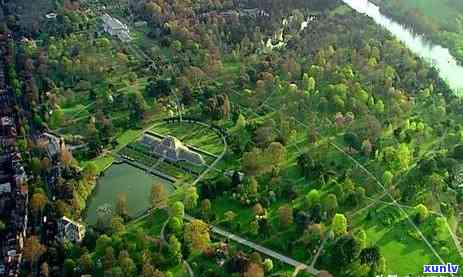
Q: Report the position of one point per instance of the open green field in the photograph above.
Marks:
(399, 242)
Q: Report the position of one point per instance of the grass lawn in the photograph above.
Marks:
(151, 224)
(137, 86)
(127, 137)
(101, 162)
(404, 254)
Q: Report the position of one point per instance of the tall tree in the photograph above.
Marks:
(38, 202)
(196, 235)
(122, 208)
(191, 198)
(339, 225)
(158, 196)
(33, 250)
(285, 215)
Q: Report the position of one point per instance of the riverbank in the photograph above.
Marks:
(434, 54)
(440, 22)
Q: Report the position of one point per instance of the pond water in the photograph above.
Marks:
(436, 55)
(134, 182)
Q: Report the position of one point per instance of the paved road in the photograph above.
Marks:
(261, 249)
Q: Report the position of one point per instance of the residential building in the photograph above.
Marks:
(69, 230)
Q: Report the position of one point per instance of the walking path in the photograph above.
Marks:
(259, 248)
(394, 202)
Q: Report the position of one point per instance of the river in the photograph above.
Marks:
(436, 55)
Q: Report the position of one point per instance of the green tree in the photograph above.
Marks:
(101, 243)
(421, 212)
(330, 204)
(312, 198)
(126, 263)
(175, 248)
(191, 197)
(268, 265)
(69, 266)
(404, 156)
(339, 225)
(387, 178)
(177, 209)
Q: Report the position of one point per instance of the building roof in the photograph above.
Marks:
(5, 188)
(112, 22)
(6, 121)
(68, 225)
(171, 149)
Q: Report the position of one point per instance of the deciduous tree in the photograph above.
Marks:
(158, 196)
(196, 235)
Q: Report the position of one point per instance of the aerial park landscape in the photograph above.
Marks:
(231, 138)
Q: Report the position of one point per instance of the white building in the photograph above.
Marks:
(115, 28)
(70, 230)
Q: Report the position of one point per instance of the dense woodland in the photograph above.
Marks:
(338, 117)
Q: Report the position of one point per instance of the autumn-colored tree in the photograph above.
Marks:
(38, 202)
(196, 235)
(258, 209)
(206, 208)
(158, 196)
(147, 270)
(117, 225)
(122, 208)
(108, 259)
(285, 215)
(126, 263)
(254, 270)
(276, 152)
(86, 262)
(33, 250)
(45, 270)
(66, 156)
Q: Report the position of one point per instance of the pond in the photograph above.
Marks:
(123, 178)
(436, 55)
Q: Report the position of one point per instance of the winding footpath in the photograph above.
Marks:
(259, 248)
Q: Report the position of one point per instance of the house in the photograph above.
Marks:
(172, 149)
(115, 28)
(54, 143)
(140, 24)
(69, 230)
(5, 188)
